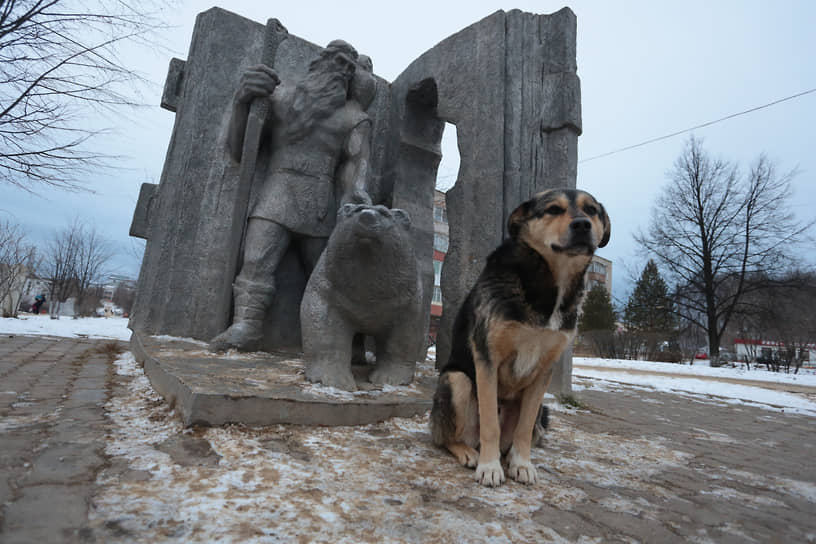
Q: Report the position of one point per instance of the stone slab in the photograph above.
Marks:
(267, 389)
(64, 463)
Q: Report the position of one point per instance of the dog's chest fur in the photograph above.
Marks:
(543, 340)
(536, 346)
(527, 342)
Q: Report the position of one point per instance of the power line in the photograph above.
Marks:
(769, 104)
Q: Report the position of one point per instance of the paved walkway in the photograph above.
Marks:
(632, 466)
(52, 435)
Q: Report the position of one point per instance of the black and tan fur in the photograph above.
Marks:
(511, 328)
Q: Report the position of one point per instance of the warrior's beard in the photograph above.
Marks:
(317, 96)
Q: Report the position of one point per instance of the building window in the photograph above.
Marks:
(437, 295)
(437, 272)
(441, 243)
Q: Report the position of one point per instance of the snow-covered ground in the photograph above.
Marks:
(386, 482)
(773, 390)
(90, 327)
(806, 376)
(590, 373)
(700, 389)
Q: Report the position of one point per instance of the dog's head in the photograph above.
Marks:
(561, 222)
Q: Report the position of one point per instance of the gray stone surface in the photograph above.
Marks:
(141, 215)
(508, 83)
(189, 451)
(366, 282)
(173, 85)
(265, 389)
(517, 136)
(190, 214)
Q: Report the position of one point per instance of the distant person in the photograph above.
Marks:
(39, 300)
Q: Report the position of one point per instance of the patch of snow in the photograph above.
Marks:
(164, 337)
(384, 482)
(43, 325)
(754, 501)
(702, 434)
(724, 392)
(805, 377)
(803, 490)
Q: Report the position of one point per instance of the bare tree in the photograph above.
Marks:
(123, 296)
(716, 231)
(93, 255)
(58, 267)
(59, 61)
(17, 259)
(75, 261)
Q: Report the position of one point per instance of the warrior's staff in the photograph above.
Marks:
(258, 111)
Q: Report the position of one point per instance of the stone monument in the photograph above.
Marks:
(508, 83)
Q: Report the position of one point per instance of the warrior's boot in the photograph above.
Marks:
(246, 332)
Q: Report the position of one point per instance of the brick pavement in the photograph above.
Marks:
(52, 431)
(641, 466)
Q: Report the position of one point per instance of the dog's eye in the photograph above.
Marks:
(590, 210)
(554, 210)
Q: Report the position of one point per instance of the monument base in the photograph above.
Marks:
(265, 389)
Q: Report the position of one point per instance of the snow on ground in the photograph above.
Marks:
(688, 379)
(806, 376)
(700, 389)
(89, 327)
(696, 380)
(384, 482)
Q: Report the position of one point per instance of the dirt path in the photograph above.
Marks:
(787, 387)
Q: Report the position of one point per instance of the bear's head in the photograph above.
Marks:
(370, 255)
(373, 224)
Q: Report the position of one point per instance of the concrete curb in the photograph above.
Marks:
(208, 389)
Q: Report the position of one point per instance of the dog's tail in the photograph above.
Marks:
(443, 417)
(542, 423)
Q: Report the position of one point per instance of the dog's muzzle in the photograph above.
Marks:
(580, 238)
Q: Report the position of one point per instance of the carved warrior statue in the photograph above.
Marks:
(320, 140)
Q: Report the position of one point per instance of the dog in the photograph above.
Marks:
(514, 324)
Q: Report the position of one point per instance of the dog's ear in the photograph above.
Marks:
(607, 226)
(518, 217)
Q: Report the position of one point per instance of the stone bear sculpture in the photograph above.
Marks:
(366, 281)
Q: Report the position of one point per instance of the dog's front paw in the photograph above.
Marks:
(520, 469)
(490, 474)
(524, 473)
(466, 455)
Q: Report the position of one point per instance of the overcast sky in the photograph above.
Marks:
(647, 69)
